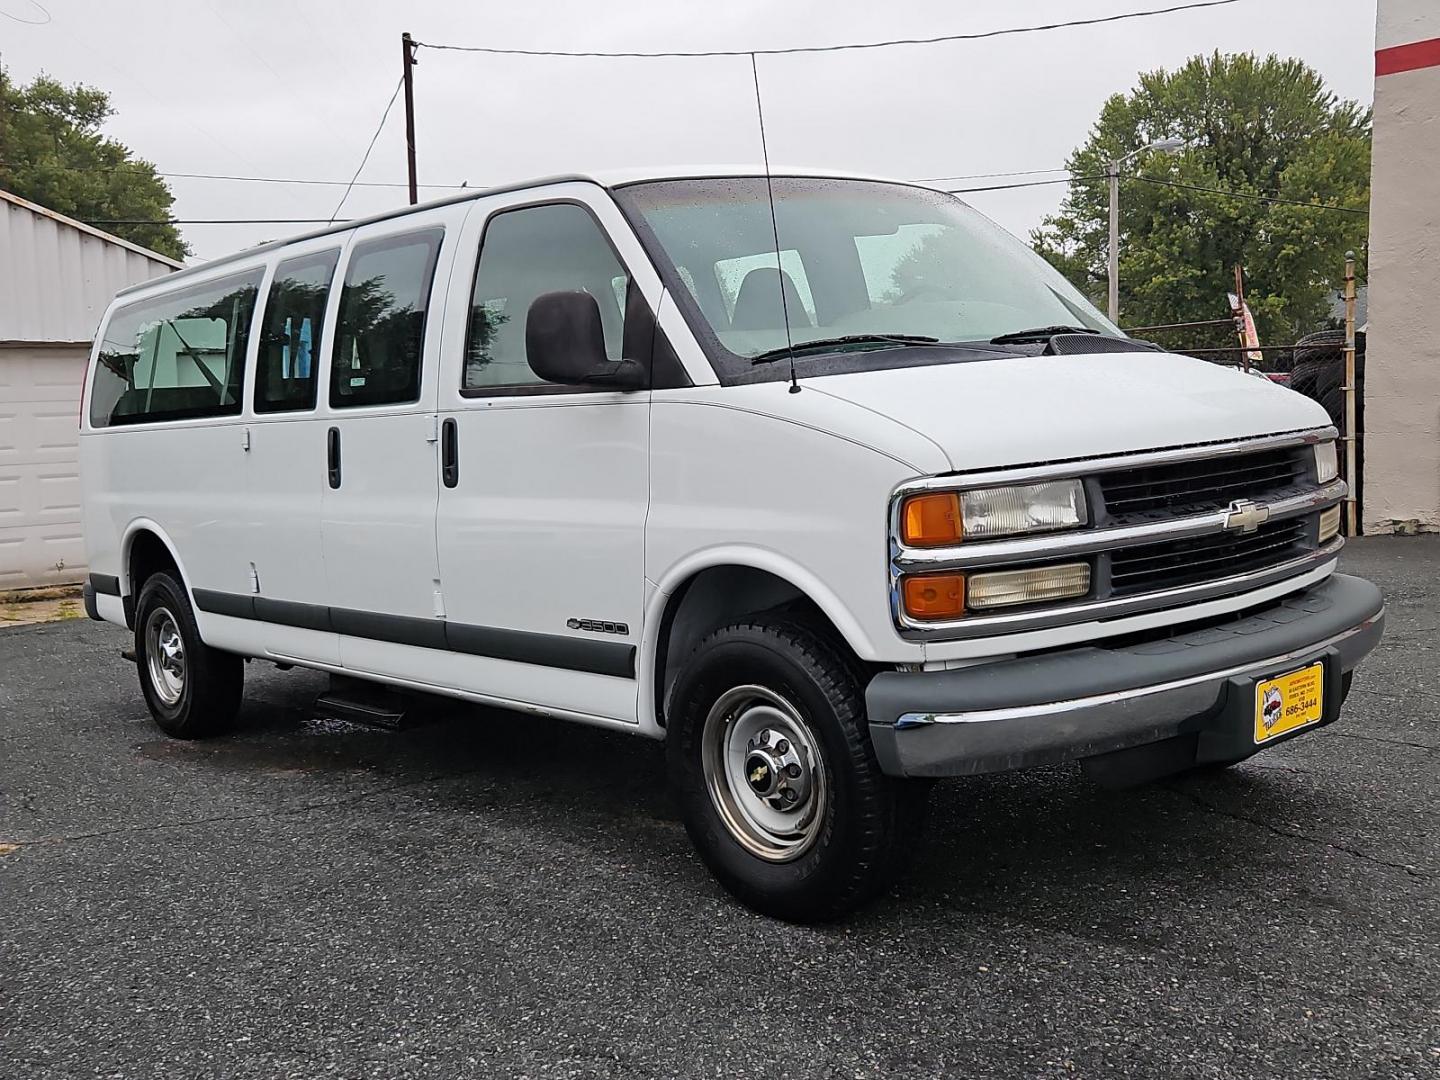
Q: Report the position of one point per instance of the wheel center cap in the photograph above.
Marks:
(762, 773)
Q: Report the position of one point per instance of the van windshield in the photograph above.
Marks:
(858, 260)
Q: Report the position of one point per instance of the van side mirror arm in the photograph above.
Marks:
(619, 375)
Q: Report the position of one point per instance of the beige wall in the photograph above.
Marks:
(1402, 391)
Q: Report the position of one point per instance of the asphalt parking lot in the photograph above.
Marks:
(494, 895)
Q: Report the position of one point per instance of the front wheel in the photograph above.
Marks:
(192, 689)
(770, 757)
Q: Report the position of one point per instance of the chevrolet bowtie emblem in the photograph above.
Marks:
(1246, 516)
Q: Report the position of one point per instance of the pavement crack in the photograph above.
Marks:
(1419, 695)
(1293, 834)
(1381, 739)
(221, 819)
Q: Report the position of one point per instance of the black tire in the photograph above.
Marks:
(862, 824)
(204, 698)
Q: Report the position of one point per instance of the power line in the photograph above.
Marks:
(1074, 179)
(1243, 195)
(985, 175)
(1196, 4)
(211, 221)
(379, 128)
(922, 180)
(295, 180)
(31, 22)
(1165, 183)
(266, 179)
(304, 221)
(473, 187)
(1025, 184)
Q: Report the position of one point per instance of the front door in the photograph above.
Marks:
(381, 481)
(541, 518)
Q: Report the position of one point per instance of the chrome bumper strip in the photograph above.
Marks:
(1122, 698)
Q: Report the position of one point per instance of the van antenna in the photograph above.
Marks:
(774, 226)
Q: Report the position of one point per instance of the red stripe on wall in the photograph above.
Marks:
(1418, 54)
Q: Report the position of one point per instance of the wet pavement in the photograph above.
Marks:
(495, 895)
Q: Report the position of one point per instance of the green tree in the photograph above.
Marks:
(52, 153)
(1258, 127)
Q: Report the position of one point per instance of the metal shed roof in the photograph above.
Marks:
(57, 275)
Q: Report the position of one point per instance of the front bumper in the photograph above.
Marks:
(1192, 691)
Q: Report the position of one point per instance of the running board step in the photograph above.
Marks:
(363, 703)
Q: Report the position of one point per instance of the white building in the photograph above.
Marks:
(1402, 375)
(56, 277)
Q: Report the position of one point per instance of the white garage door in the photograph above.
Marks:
(40, 540)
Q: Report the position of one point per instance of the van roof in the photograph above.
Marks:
(608, 179)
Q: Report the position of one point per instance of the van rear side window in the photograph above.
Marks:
(381, 335)
(176, 356)
(290, 336)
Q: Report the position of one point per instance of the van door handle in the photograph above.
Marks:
(332, 446)
(449, 454)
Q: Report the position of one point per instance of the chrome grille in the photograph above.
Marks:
(1163, 532)
(1177, 563)
(1177, 487)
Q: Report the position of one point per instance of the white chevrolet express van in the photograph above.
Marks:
(893, 502)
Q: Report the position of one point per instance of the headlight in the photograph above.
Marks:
(941, 518)
(1327, 463)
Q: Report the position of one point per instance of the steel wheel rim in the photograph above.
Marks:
(165, 656)
(756, 747)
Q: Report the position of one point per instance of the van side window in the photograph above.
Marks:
(380, 338)
(176, 356)
(524, 254)
(290, 333)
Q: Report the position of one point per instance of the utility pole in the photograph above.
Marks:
(1169, 146)
(1114, 274)
(407, 53)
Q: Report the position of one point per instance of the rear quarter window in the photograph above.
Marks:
(176, 356)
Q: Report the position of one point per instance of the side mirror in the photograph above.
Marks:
(565, 343)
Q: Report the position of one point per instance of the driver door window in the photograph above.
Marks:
(524, 254)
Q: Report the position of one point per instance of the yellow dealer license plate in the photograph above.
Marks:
(1291, 701)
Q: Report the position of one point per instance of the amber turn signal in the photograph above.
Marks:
(934, 596)
(931, 520)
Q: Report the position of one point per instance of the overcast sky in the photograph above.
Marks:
(295, 89)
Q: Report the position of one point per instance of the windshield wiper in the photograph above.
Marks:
(1039, 333)
(828, 344)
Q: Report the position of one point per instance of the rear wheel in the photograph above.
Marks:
(770, 757)
(192, 689)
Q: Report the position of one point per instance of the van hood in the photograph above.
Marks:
(1021, 410)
